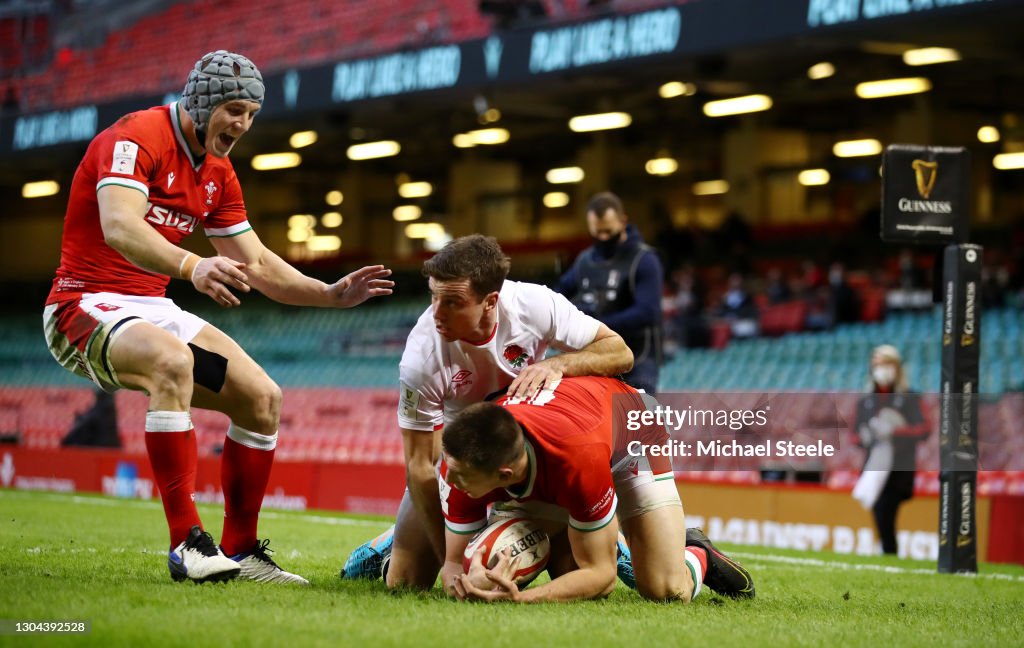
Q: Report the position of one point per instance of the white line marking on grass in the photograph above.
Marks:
(145, 504)
(835, 565)
(322, 519)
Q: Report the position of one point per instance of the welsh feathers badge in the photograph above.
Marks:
(515, 355)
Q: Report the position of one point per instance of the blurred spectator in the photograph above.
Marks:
(618, 280)
(832, 303)
(889, 423)
(687, 326)
(738, 308)
(812, 278)
(844, 304)
(776, 288)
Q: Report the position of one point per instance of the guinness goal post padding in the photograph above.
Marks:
(958, 422)
(924, 194)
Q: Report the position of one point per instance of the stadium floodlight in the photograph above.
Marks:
(821, 70)
(331, 219)
(424, 230)
(334, 198)
(300, 227)
(674, 89)
(813, 177)
(39, 189)
(404, 213)
(463, 140)
(930, 56)
(565, 175)
(273, 161)
(710, 187)
(661, 166)
(857, 148)
(599, 122)
(556, 199)
(489, 136)
(415, 189)
(301, 221)
(737, 105)
(372, 150)
(988, 134)
(302, 139)
(892, 87)
(1007, 161)
(326, 243)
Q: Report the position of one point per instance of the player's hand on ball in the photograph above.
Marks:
(495, 584)
(214, 276)
(356, 287)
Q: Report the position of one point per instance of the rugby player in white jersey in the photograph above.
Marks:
(481, 336)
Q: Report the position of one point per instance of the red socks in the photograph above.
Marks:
(244, 473)
(171, 445)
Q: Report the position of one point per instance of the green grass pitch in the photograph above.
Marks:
(65, 557)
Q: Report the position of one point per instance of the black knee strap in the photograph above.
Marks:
(209, 369)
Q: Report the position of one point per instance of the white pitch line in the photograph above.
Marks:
(144, 504)
(888, 569)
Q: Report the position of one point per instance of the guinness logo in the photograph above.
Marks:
(925, 173)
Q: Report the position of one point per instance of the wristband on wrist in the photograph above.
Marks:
(188, 266)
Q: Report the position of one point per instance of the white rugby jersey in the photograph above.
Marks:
(440, 378)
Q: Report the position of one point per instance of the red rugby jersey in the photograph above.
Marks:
(146, 151)
(571, 436)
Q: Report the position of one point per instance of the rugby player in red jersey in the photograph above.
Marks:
(567, 459)
(145, 184)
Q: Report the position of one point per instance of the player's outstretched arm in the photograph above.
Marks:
(593, 551)
(279, 280)
(606, 355)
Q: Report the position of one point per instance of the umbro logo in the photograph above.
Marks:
(170, 179)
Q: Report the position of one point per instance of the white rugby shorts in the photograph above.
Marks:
(79, 332)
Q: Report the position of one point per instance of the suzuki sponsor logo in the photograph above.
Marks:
(164, 217)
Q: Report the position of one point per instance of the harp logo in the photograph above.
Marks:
(925, 173)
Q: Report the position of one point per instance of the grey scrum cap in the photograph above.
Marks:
(218, 77)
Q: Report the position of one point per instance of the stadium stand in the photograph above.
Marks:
(338, 369)
(164, 41)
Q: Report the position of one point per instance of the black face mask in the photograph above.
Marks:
(607, 247)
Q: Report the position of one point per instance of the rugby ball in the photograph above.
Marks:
(529, 545)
